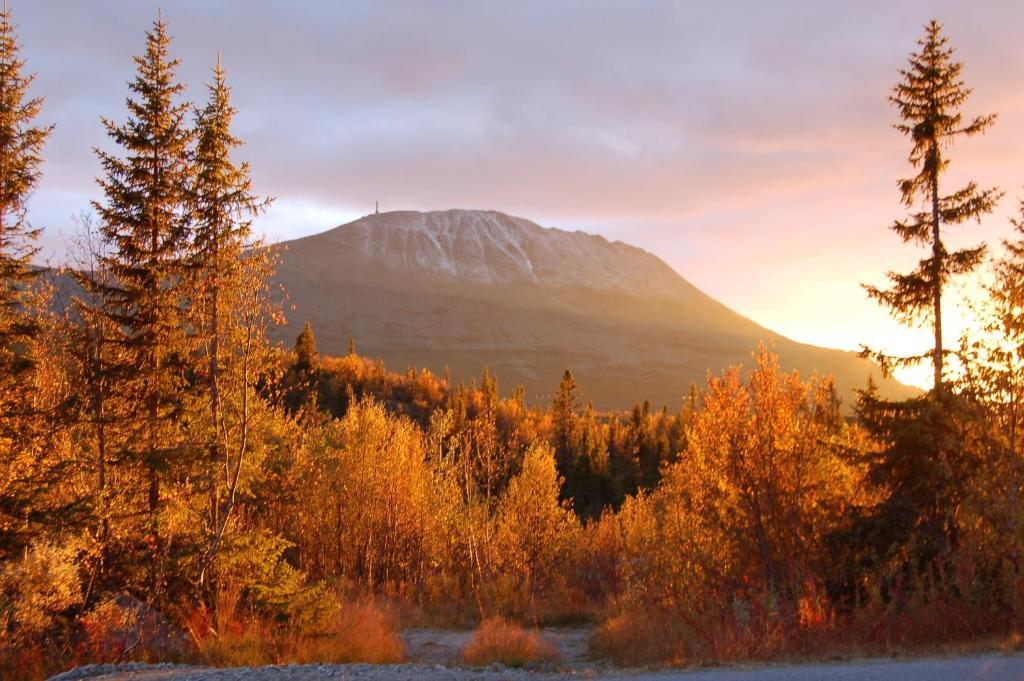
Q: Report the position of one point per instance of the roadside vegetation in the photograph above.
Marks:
(498, 641)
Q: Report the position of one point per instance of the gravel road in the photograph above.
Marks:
(979, 668)
(434, 655)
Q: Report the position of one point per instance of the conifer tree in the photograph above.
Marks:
(590, 486)
(642, 445)
(21, 143)
(564, 426)
(921, 469)
(229, 271)
(306, 373)
(307, 359)
(145, 219)
(929, 98)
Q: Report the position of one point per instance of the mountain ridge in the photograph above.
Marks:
(471, 288)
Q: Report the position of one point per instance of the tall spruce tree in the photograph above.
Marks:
(923, 467)
(145, 220)
(21, 143)
(929, 98)
(229, 272)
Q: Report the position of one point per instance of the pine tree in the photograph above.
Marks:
(922, 467)
(229, 272)
(643, 445)
(21, 143)
(306, 373)
(929, 99)
(564, 424)
(307, 359)
(145, 219)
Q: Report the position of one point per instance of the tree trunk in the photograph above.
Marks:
(937, 255)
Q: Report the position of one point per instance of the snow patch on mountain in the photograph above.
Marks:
(492, 247)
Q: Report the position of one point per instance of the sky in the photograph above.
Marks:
(748, 144)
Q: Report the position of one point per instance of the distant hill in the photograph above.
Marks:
(472, 289)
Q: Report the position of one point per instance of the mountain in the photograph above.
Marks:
(472, 289)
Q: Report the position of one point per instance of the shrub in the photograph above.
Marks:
(360, 632)
(644, 637)
(499, 641)
(38, 587)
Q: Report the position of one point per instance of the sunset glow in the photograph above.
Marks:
(663, 126)
(659, 128)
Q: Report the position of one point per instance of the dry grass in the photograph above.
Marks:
(634, 639)
(648, 637)
(360, 631)
(497, 640)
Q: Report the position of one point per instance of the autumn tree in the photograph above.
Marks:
(230, 272)
(742, 520)
(89, 333)
(484, 456)
(368, 477)
(929, 99)
(22, 474)
(534, 528)
(145, 219)
(993, 382)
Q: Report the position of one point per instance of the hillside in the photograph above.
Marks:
(469, 289)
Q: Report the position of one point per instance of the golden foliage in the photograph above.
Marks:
(38, 587)
(533, 530)
(370, 482)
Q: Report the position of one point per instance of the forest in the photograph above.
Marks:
(162, 461)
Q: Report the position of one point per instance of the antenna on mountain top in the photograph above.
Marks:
(376, 207)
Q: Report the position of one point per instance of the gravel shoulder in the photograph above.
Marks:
(433, 655)
(979, 668)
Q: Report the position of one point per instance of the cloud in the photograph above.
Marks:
(749, 144)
